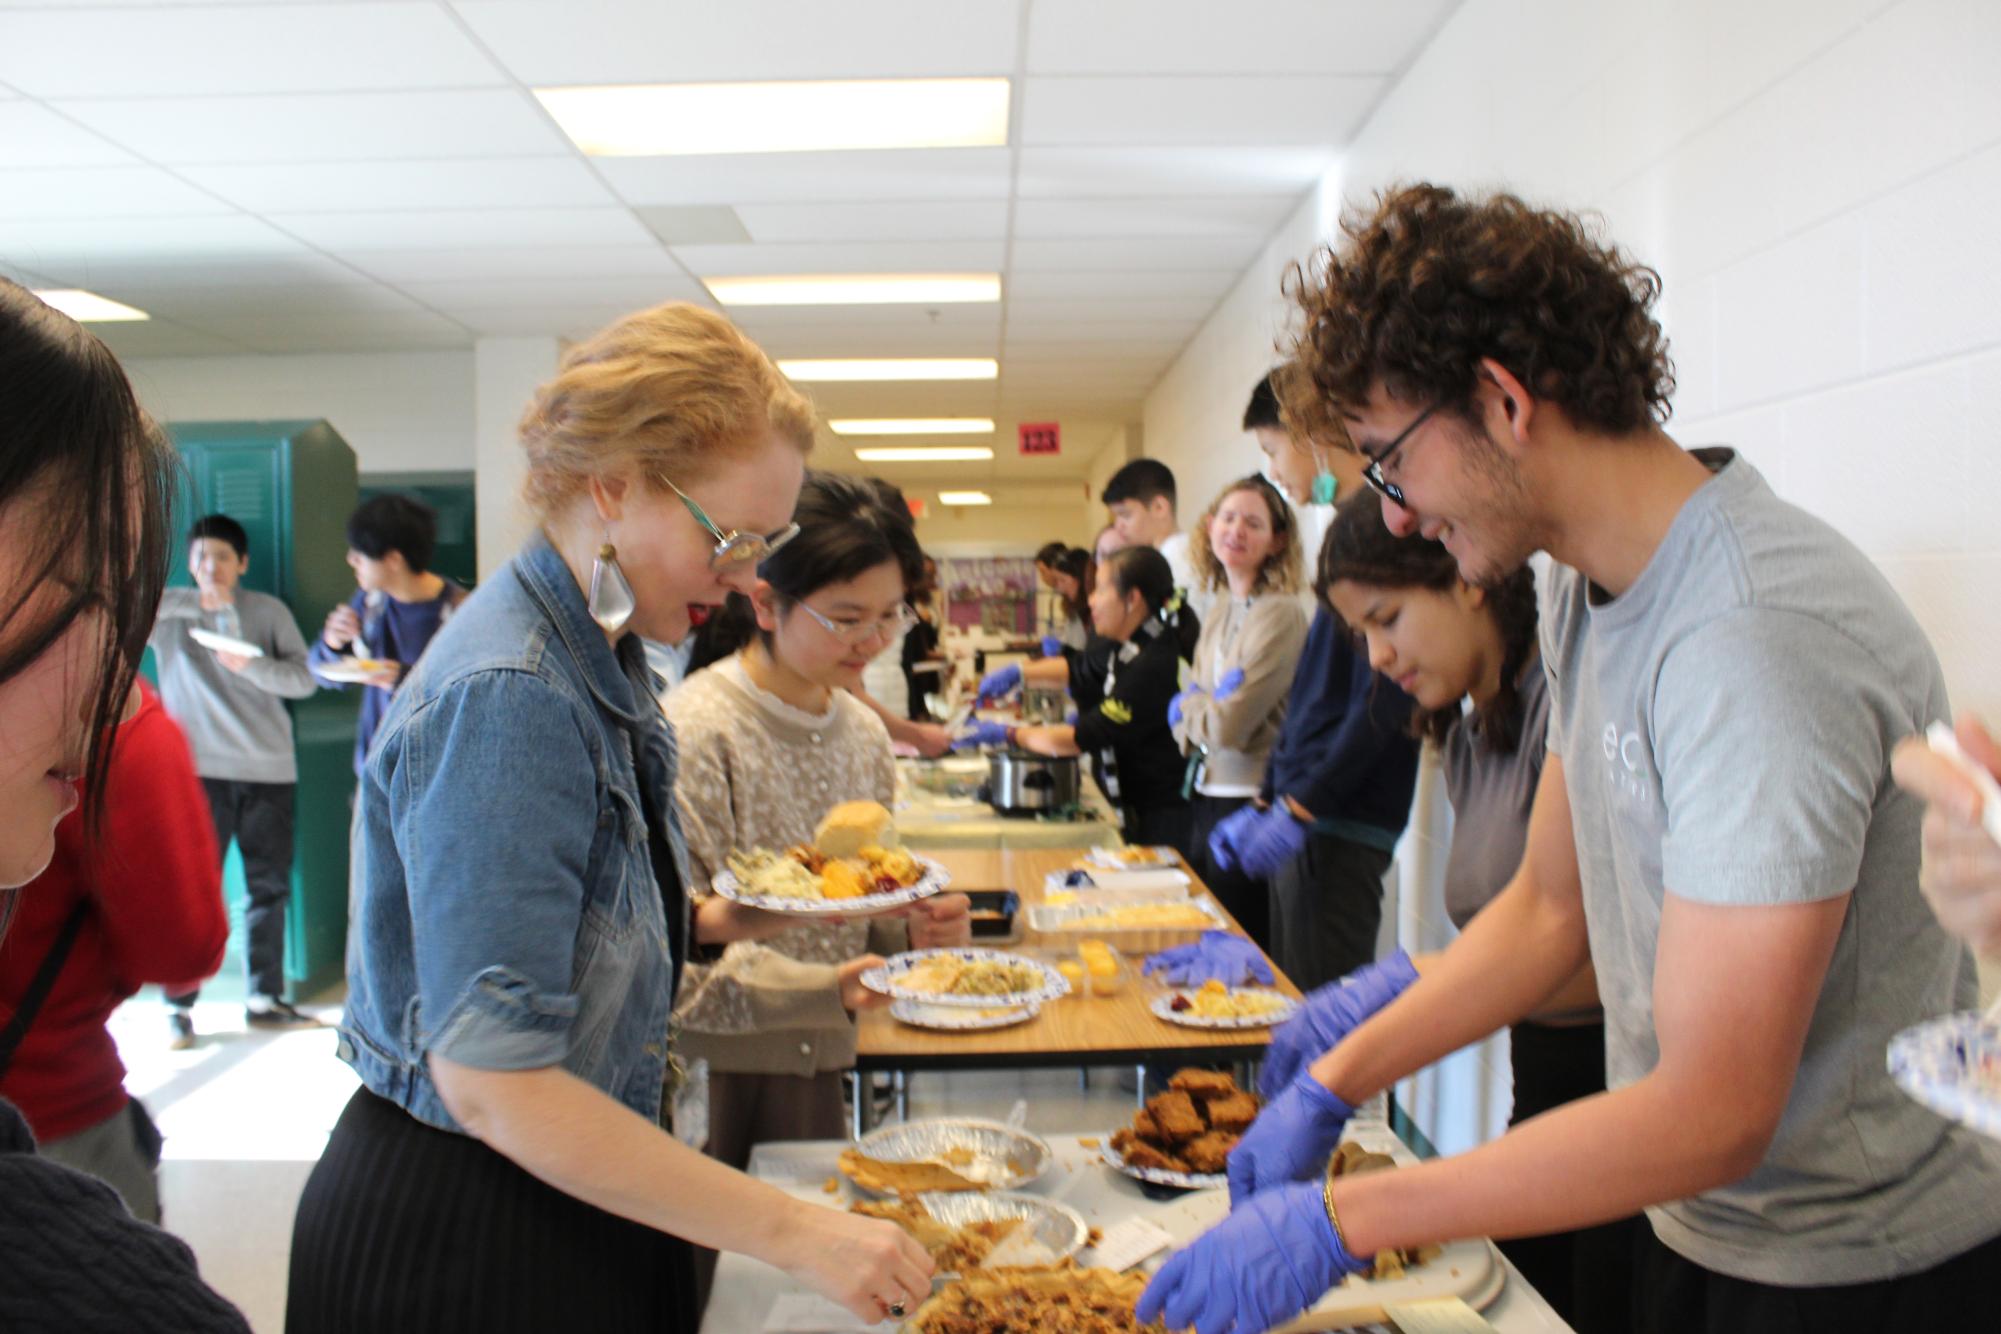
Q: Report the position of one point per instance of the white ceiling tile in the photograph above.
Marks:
(34, 136)
(1185, 110)
(1100, 173)
(948, 221)
(1191, 36)
(102, 192)
(574, 320)
(298, 267)
(1032, 336)
(545, 44)
(1149, 252)
(1059, 308)
(463, 298)
(283, 187)
(154, 240)
(156, 338)
(420, 266)
(199, 304)
(783, 178)
(900, 257)
(325, 127)
(1087, 285)
(337, 333)
(239, 49)
(957, 315)
(1251, 218)
(443, 229)
(1019, 356)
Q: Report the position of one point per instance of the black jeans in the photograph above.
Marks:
(1674, 1295)
(1587, 1275)
(1156, 826)
(259, 817)
(1326, 907)
(1247, 898)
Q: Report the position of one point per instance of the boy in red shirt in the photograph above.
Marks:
(147, 898)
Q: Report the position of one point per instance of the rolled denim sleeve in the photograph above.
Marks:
(495, 809)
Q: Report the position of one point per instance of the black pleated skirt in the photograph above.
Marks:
(411, 1229)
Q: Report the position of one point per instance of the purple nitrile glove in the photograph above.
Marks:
(1331, 1013)
(980, 734)
(1051, 646)
(1227, 958)
(1226, 840)
(1276, 841)
(1264, 1264)
(1176, 707)
(1289, 1141)
(1229, 685)
(999, 681)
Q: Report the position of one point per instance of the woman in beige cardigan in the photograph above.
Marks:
(1227, 720)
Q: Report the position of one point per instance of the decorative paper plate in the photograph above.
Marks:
(209, 639)
(1284, 1009)
(1155, 1176)
(1953, 1066)
(904, 977)
(354, 671)
(934, 879)
(958, 1018)
(998, 1156)
(1051, 1231)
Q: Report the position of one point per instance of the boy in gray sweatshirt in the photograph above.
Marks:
(232, 707)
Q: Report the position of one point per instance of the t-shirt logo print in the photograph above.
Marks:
(1625, 764)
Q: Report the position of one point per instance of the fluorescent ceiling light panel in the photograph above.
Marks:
(891, 368)
(964, 498)
(923, 454)
(680, 119)
(89, 307)
(855, 289)
(912, 426)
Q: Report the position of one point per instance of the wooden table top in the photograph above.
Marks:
(1076, 1030)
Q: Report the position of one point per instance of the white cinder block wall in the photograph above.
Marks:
(1817, 182)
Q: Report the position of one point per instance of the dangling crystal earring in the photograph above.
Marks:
(611, 603)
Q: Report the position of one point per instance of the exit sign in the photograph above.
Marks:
(1041, 438)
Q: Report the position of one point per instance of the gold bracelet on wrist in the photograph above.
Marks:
(1333, 1216)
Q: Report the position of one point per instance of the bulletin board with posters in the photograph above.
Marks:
(991, 594)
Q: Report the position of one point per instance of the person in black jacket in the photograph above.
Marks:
(1138, 763)
(85, 484)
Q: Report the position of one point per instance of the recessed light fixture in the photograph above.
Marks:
(964, 498)
(912, 426)
(89, 307)
(892, 368)
(668, 120)
(924, 454)
(855, 289)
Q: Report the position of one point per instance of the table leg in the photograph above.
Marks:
(900, 1081)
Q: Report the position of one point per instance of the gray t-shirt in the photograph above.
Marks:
(1725, 727)
(236, 722)
(1491, 792)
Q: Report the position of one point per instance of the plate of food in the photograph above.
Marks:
(1169, 914)
(216, 643)
(854, 866)
(1183, 1137)
(1049, 1298)
(1213, 1005)
(1953, 1066)
(960, 1018)
(355, 670)
(960, 1229)
(945, 1153)
(985, 979)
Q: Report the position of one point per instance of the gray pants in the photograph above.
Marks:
(123, 1151)
(1326, 907)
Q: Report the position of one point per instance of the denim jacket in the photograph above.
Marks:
(507, 915)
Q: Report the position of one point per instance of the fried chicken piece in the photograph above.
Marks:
(1144, 1128)
(1234, 1113)
(1202, 1085)
(1206, 1153)
(1174, 1112)
(1143, 1155)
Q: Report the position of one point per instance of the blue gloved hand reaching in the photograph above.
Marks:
(1232, 681)
(1177, 707)
(980, 734)
(1052, 647)
(1290, 1140)
(1000, 681)
(1226, 840)
(1261, 1266)
(1331, 1013)
(1219, 955)
(1276, 841)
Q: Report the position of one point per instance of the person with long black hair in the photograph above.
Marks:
(86, 481)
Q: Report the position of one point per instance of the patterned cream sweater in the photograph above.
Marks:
(757, 772)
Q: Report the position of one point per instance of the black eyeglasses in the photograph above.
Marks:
(1372, 471)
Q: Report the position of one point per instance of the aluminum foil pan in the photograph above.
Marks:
(1003, 1157)
(1051, 1231)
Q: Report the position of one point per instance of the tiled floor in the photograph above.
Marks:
(245, 1114)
